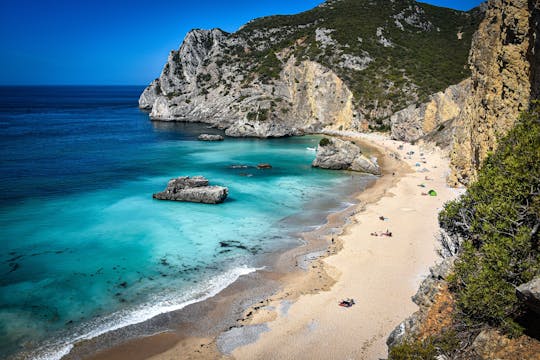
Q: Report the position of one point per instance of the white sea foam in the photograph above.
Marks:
(172, 302)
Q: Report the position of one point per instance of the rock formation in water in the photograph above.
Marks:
(344, 65)
(337, 154)
(505, 63)
(193, 189)
(208, 137)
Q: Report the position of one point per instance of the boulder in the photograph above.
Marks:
(530, 294)
(337, 154)
(209, 137)
(192, 189)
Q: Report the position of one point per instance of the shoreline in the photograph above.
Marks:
(224, 309)
(381, 273)
(249, 335)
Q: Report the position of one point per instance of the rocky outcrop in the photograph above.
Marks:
(504, 60)
(208, 137)
(529, 293)
(490, 344)
(426, 297)
(193, 189)
(417, 121)
(337, 154)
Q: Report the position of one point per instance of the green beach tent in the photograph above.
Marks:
(432, 192)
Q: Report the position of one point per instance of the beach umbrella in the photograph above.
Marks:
(432, 192)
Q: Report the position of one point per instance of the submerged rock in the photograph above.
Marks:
(338, 154)
(193, 189)
(264, 166)
(209, 137)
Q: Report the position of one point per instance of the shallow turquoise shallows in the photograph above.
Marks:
(84, 247)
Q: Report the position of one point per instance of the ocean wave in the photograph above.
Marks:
(57, 349)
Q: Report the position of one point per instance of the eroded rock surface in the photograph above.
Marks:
(208, 137)
(505, 64)
(193, 189)
(337, 154)
(530, 294)
(414, 122)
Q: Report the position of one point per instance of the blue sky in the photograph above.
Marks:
(117, 41)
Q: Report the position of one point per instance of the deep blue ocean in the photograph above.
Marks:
(84, 247)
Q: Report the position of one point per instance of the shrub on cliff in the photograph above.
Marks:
(324, 142)
(498, 220)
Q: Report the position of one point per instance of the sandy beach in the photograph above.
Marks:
(381, 273)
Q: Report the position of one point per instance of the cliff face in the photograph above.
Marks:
(196, 85)
(505, 64)
(416, 121)
(346, 64)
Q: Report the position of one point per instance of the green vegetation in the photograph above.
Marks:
(497, 221)
(428, 349)
(325, 142)
(203, 77)
(269, 67)
(260, 115)
(427, 57)
(417, 350)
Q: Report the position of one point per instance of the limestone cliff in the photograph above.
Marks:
(416, 121)
(346, 64)
(505, 66)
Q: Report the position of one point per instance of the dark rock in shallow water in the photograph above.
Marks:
(208, 137)
(194, 189)
(264, 166)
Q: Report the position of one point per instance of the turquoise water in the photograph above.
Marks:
(84, 247)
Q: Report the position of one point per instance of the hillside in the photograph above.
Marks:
(346, 64)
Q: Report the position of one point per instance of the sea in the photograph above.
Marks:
(85, 249)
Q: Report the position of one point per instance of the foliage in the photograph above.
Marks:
(417, 350)
(497, 221)
(260, 115)
(203, 77)
(325, 142)
(422, 59)
(445, 343)
(269, 67)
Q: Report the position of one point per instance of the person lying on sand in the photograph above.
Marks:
(346, 302)
(380, 233)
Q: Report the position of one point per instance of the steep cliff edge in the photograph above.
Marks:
(346, 64)
(505, 68)
(442, 109)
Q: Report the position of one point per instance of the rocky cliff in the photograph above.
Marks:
(346, 64)
(505, 64)
(442, 109)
